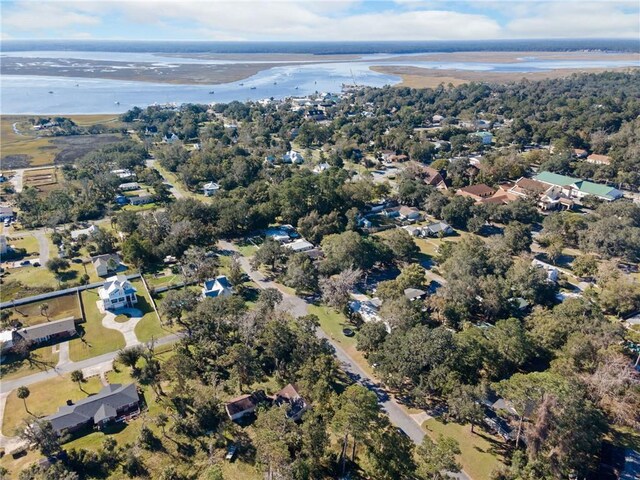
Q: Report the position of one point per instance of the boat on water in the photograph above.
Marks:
(253, 88)
(275, 83)
(242, 84)
(117, 103)
(50, 91)
(211, 92)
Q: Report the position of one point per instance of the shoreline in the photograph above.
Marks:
(418, 77)
(219, 74)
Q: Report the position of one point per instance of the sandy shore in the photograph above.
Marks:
(213, 74)
(416, 77)
(264, 57)
(516, 57)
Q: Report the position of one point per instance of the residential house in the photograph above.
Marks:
(438, 229)
(143, 198)
(485, 137)
(110, 403)
(398, 158)
(391, 212)
(170, 139)
(38, 334)
(409, 214)
(321, 167)
(6, 213)
(125, 187)
(299, 245)
(244, 404)
(477, 192)
(368, 310)
(278, 234)
(117, 292)
(217, 287)
(580, 153)
(294, 402)
(413, 294)
(575, 188)
(89, 232)
(292, 157)
(210, 189)
(552, 272)
(436, 119)
(548, 197)
(434, 178)
(123, 173)
(106, 264)
(386, 155)
(599, 159)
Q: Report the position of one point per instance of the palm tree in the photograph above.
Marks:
(23, 393)
(44, 310)
(78, 377)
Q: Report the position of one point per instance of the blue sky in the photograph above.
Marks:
(291, 20)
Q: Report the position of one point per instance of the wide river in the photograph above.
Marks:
(64, 95)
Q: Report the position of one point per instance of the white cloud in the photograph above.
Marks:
(336, 20)
(38, 16)
(577, 20)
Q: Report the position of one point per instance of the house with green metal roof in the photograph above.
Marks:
(577, 188)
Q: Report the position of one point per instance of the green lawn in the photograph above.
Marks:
(332, 323)
(96, 339)
(43, 359)
(149, 327)
(58, 308)
(44, 399)
(481, 452)
(26, 241)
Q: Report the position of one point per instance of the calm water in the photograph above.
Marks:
(30, 94)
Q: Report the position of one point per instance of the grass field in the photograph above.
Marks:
(332, 323)
(29, 148)
(481, 452)
(96, 339)
(45, 359)
(26, 241)
(59, 308)
(44, 399)
(149, 327)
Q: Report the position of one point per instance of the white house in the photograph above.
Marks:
(129, 186)
(292, 157)
(117, 292)
(123, 173)
(321, 167)
(300, 245)
(89, 232)
(172, 139)
(210, 189)
(552, 272)
(106, 264)
(218, 287)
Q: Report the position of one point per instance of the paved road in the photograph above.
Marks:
(151, 163)
(298, 307)
(8, 385)
(43, 245)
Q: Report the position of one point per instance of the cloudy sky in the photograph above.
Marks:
(291, 20)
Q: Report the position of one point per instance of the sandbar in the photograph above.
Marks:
(416, 77)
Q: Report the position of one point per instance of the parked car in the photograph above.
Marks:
(231, 452)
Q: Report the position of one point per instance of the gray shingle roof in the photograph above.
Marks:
(101, 406)
(43, 330)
